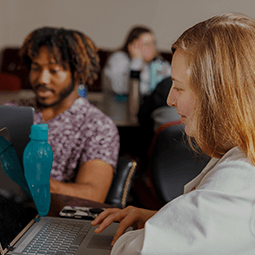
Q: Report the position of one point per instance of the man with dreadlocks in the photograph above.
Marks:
(85, 142)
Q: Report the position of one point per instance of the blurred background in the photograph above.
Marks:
(107, 21)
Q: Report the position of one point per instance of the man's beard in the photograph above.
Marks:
(62, 95)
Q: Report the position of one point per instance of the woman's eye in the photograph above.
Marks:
(177, 89)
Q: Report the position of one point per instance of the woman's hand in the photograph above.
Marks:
(129, 216)
(135, 49)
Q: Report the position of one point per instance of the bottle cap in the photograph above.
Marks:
(39, 132)
(4, 144)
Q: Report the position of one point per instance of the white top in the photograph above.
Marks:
(117, 72)
(217, 218)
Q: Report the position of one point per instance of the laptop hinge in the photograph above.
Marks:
(36, 219)
(10, 248)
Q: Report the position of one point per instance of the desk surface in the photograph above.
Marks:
(59, 201)
(115, 108)
(107, 103)
(7, 96)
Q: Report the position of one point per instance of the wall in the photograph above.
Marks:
(107, 21)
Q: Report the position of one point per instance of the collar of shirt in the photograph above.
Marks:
(78, 103)
(211, 164)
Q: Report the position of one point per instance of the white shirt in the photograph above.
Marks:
(117, 72)
(217, 218)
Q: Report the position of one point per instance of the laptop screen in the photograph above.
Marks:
(18, 120)
(17, 209)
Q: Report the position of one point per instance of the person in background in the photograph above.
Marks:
(213, 72)
(85, 142)
(134, 60)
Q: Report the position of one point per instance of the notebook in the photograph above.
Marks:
(19, 221)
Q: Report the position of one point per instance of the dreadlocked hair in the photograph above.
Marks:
(67, 47)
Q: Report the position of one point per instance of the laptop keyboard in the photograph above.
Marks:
(59, 237)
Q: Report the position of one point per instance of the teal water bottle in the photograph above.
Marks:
(11, 165)
(37, 163)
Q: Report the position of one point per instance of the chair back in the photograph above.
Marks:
(172, 162)
(9, 82)
(121, 184)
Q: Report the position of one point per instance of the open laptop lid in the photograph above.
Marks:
(18, 120)
(17, 209)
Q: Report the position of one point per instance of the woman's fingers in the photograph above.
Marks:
(110, 215)
(107, 217)
(130, 216)
(103, 215)
(123, 226)
(104, 219)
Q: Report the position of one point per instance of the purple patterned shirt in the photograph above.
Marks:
(79, 134)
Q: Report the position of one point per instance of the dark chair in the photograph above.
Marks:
(121, 184)
(9, 82)
(172, 162)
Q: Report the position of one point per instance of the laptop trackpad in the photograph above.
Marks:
(100, 242)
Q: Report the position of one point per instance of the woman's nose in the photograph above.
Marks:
(171, 100)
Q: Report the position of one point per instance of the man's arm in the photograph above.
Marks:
(92, 182)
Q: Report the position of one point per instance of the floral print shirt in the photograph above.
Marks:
(79, 134)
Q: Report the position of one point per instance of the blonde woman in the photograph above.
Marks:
(213, 71)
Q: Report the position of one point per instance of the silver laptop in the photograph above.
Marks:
(23, 232)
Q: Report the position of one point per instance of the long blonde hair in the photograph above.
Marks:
(221, 58)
